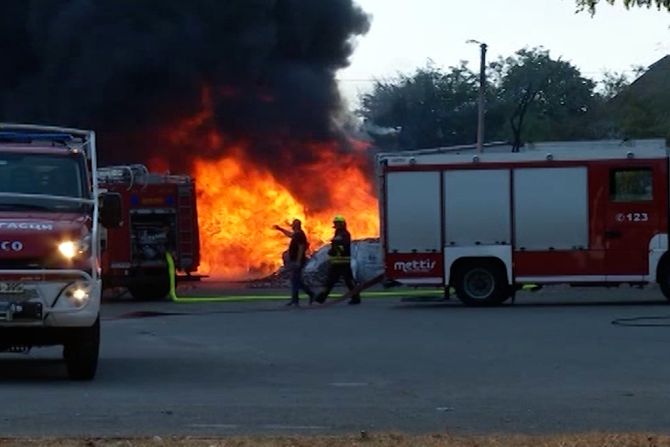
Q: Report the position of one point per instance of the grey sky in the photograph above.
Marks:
(405, 34)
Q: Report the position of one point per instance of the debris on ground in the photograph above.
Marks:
(366, 263)
(363, 439)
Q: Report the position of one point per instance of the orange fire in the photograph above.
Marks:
(238, 203)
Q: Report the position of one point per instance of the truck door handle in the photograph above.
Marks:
(612, 234)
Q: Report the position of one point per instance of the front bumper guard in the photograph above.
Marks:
(35, 308)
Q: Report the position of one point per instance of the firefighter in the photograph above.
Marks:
(339, 259)
(296, 259)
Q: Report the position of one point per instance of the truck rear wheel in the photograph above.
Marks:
(481, 284)
(151, 288)
(664, 278)
(81, 352)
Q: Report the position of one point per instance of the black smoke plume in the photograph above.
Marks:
(131, 69)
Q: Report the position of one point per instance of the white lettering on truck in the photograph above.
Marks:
(7, 246)
(423, 266)
(26, 226)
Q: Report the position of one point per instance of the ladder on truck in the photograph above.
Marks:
(138, 175)
(188, 237)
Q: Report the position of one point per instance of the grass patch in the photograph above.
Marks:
(372, 440)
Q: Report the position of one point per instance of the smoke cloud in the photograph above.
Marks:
(132, 69)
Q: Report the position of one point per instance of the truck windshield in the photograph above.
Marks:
(37, 174)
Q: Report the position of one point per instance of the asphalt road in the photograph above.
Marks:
(553, 362)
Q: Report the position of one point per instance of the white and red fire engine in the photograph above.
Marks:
(581, 213)
(159, 216)
(51, 217)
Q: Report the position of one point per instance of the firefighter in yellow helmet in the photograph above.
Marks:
(339, 258)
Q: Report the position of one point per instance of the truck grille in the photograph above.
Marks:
(21, 264)
(27, 294)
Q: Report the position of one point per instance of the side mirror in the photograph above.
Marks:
(111, 210)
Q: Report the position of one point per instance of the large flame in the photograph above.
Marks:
(239, 201)
(238, 204)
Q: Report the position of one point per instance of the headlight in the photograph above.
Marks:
(68, 249)
(72, 249)
(78, 294)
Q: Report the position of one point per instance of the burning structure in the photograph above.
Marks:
(240, 93)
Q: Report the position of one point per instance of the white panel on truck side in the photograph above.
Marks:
(413, 211)
(551, 208)
(477, 207)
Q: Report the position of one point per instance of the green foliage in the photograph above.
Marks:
(613, 84)
(591, 4)
(642, 110)
(431, 107)
(530, 97)
(543, 98)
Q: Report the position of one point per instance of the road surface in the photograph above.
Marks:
(553, 362)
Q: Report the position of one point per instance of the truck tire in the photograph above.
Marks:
(151, 289)
(664, 278)
(481, 284)
(81, 352)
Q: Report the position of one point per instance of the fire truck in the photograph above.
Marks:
(51, 216)
(159, 216)
(488, 222)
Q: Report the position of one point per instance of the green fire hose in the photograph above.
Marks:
(270, 297)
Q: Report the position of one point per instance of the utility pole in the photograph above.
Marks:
(482, 94)
(482, 98)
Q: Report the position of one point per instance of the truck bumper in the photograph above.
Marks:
(39, 300)
(21, 336)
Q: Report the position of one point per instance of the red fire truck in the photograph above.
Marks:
(51, 217)
(485, 223)
(160, 216)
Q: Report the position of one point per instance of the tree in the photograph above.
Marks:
(642, 109)
(613, 84)
(429, 108)
(542, 98)
(530, 97)
(591, 4)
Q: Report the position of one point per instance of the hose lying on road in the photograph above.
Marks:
(643, 322)
(231, 298)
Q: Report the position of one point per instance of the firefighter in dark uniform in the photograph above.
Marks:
(339, 258)
(297, 257)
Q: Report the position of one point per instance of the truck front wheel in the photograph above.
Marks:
(481, 284)
(81, 352)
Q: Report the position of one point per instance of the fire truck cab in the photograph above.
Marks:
(51, 213)
(581, 213)
(159, 216)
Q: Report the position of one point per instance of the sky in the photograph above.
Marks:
(406, 34)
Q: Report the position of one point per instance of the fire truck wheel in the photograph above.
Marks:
(155, 291)
(152, 288)
(81, 352)
(481, 284)
(664, 278)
